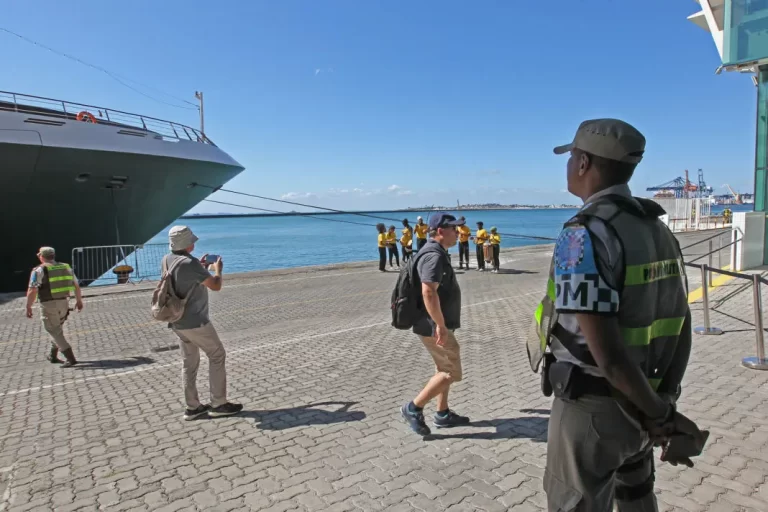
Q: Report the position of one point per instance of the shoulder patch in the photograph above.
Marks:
(570, 246)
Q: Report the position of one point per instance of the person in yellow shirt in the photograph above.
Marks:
(464, 235)
(496, 247)
(421, 230)
(382, 246)
(481, 236)
(407, 241)
(392, 246)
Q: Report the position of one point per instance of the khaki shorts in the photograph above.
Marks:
(448, 357)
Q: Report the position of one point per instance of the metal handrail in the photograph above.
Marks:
(712, 251)
(738, 275)
(704, 240)
(50, 107)
(759, 362)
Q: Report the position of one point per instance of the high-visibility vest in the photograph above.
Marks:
(57, 282)
(653, 298)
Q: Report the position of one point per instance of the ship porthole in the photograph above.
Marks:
(83, 177)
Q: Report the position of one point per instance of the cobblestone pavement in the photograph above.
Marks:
(321, 374)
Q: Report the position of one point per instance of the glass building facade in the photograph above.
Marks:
(745, 34)
(745, 40)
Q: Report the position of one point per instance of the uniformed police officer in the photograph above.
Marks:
(614, 330)
(52, 282)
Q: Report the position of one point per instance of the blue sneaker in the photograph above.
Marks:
(450, 420)
(415, 420)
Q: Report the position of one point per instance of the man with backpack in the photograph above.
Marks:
(433, 282)
(190, 282)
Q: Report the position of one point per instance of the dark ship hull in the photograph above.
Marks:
(69, 183)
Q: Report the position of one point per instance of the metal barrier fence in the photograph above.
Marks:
(759, 362)
(117, 264)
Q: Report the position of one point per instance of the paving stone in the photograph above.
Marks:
(321, 429)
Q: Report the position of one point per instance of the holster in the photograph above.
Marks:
(569, 382)
(560, 378)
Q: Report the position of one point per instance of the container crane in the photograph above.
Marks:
(682, 187)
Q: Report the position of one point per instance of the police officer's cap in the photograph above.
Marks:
(609, 138)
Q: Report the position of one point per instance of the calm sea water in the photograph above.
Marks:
(262, 243)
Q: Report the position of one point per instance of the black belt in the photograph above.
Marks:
(580, 383)
(585, 384)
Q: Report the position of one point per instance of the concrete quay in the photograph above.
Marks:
(321, 374)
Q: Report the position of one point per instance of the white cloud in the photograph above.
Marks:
(393, 188)
(299, 195)
(323, 70)
(405, 193)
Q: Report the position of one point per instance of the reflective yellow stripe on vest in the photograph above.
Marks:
(59, 283)
(650, 272)
(642, 336)
(540, 310)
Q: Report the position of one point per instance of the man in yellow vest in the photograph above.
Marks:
(614, 330)
(51, 283)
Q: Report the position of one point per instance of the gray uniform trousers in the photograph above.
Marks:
(597, 454)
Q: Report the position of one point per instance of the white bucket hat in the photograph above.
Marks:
(181, 237)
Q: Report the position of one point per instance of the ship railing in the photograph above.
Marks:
(118, 264)
(52, 108)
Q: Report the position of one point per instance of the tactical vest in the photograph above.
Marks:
(57, 282)
(653, 301)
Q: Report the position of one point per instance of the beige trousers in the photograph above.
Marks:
(193, 341)
(53, 314)
(597, 456)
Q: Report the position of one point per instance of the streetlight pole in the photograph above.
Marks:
(199, 96)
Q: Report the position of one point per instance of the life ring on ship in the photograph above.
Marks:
(86, 117)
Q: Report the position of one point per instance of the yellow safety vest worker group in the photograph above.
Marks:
(653, 305)
(57, 282)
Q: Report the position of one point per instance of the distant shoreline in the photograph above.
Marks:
(410, 210)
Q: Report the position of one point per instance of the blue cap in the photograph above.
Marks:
(442, 220)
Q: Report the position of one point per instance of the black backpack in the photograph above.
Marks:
(407, 303)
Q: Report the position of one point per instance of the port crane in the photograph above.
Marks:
(737, 199)
(682, 187)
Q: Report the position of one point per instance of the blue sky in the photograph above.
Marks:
(381, 104)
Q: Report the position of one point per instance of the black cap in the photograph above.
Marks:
(442, 220)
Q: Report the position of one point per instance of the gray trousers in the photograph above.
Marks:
(53, 314)
(597, 455)
(193, 341)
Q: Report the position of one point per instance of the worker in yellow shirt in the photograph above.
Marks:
(496, 247)
(392, 246)
(382, 246)
(421, 230)
(481, 236)
(464, 234)
(407, 241)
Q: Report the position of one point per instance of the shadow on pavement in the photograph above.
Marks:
(112, 363)
(305, 415)
(507, 428)
(514, 271)
(535, 411)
